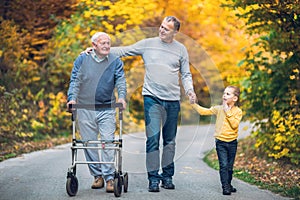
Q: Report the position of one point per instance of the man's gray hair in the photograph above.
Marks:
(95, 37)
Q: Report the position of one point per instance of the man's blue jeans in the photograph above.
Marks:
(160, 113)
(226, 154)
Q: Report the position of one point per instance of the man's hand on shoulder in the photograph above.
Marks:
(87, 51)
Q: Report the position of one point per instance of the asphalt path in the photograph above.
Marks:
(42, 174)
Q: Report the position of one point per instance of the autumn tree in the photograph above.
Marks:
(35, 21)
(273, 62)
(25, 91)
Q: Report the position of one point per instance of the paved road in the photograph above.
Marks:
(42, 174)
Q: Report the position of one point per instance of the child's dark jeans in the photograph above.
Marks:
(226, 154)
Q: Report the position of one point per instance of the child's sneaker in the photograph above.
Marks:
(226, 189)
(232, 189)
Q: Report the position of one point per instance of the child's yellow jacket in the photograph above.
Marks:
(227, 123)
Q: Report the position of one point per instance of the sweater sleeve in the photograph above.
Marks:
(185, 72)
(234, 117)
(131, 50)
(74, 79)
(120, 80)
(204, 111)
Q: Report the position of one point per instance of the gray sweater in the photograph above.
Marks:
(94, 82)
(163, 63)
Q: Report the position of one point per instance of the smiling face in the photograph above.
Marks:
(102, 46)
(167, 31)
(229, 97)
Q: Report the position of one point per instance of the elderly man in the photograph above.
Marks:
(93, 80)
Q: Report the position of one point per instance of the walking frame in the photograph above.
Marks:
(120, 178)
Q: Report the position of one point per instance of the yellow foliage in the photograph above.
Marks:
(287, 134)
(36, 78)
(276, 147)
(24, 117)
(282, 153)
(13, 112)
(76, 28)
(116, 19)
(296, 71)
(92, 32)
(258, 143)
(37, 125)
(38, 42)
(279, 138)
(87, 14)
(24, 135)
(292, 77)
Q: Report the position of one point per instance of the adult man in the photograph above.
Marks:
(164, 59)
(93, 80)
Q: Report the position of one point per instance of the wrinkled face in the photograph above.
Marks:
(167, 31)
(229, 97)
(102, 46)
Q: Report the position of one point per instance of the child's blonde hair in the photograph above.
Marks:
(236, 92)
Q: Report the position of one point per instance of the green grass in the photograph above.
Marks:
(11, 155)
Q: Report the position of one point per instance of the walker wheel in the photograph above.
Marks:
(72, 185)
(117, 186)
(125, 182)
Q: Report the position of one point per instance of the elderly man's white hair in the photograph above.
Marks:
(95, 37)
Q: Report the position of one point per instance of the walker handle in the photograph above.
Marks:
(94, 106)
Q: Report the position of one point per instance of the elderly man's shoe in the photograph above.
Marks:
(110, 186)
(98, 183)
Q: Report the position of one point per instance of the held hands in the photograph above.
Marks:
(192, 97)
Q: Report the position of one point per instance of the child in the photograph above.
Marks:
(229, 116)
